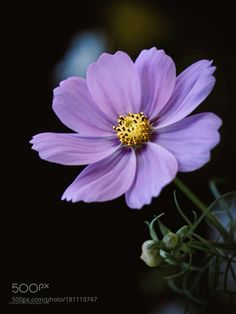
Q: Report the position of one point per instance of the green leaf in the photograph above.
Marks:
(171, 260)
(164, 254)
(207, 210)
(202, 207)
(151, 227)
(180, 210)
(195, 216)
(226, 275)
(158, 244)
(194, 268)
(213, 187)
(186, 268)
(174, 286)
(233, 273)
(163, 228)
(186, 248)
(212, 249)
(226, 272)
(168, 257)
(223, 204)
(195, 281)
(217, 272)
(199, 247)
(227, 291)
(183, 231)
(214, 273)
(188, 291)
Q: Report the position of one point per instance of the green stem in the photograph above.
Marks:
(201, 206)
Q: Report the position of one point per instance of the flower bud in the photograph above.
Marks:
(150, 253)
(171, 241)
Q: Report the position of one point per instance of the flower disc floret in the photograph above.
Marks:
(133, 129)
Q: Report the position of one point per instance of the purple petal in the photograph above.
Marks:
(157, 75)
(74, 106)
(191, 139)
(73, 149)
(192, 86)
(104, 180)
(156, 167)
(114, 84)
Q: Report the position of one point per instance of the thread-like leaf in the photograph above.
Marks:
(151, 227)
(180, 210)
(164, 230)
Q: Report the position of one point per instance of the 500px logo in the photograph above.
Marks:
(32, 287)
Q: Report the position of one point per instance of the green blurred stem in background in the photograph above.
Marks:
(200, 205)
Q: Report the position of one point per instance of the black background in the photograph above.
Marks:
(93, 249)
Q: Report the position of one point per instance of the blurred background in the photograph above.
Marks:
(94, 249)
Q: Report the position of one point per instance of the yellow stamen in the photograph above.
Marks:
(133, 129)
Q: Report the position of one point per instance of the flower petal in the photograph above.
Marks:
(73, 149)
(157, 75)
(156, 167)
(104, 180)
(191, 139)
(192, 86)
(114, 84)
(74, 106)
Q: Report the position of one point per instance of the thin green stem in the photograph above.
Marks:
(201, 206)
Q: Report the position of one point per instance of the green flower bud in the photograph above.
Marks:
(171, 241)
(150, 253)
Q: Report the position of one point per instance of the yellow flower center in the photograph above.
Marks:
(133, 129)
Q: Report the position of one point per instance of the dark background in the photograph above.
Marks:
(93, 249)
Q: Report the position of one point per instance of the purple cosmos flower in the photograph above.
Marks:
(131, 126)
